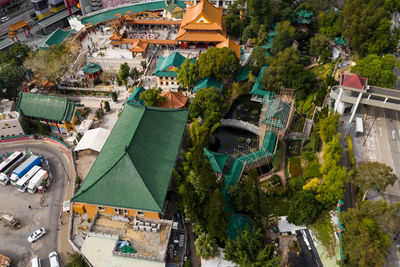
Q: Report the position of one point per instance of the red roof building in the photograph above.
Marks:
(354, 81)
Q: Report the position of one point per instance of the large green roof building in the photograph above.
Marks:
(134, 168)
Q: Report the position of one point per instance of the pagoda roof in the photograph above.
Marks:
(231, 45)
(201, 36)
(91, 68)
(203, 16)
(139, 46)
(115, 36)
(174, 100)
(354, 81)
(164, 65)
(340, 41)
(134, 98)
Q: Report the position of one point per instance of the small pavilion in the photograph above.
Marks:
(92, 70)
(303, 19)
(173, 100)
(14, 28)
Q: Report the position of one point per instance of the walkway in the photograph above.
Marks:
(241, 125)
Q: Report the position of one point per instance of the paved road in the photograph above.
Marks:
(13, 242)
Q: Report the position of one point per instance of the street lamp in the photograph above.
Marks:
(61, 165)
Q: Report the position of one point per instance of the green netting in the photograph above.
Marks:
(237, 224)
(217, 160)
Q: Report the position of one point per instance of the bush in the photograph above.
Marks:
(107, 106)
(352, 159)
(99, 113)
(297, 183)
(78, 180)
(188, 263)
(114, 96)
(304, 208)
(275, 179)
(254, 112)
(97, 81)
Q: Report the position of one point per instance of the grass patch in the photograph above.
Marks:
(322, 70)
(352, 159)
(324, 231)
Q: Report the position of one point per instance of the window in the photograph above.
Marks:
(101, 208)
(140, 213)
(14, 126)
(125, 211)
(116, 210)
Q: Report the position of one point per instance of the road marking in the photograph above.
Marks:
(380, 130)
(393, 132)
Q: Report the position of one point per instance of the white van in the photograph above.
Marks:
(35, 262)
(53, 257)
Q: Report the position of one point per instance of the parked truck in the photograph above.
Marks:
(22, 169)
(36, 180)
(5, 261)
(24, 181)
(10, 220)
(9, 165)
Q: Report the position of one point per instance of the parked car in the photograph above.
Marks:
(35, 262)
(36, 235)
(4, 19)
(53, 257)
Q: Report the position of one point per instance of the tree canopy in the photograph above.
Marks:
(207, 105)
(318, 44)
(248, 250)
(257, 59)
(378, 70)
(260, 11)
(329, 24)
(187, 74)
(327, 127)
(373, 175)
(123, 73)
(222, 63)
(11, 77)
(206, 247)
(304, 208)
(281, 41)
(50, 64)
(151, 97)
(365, 25)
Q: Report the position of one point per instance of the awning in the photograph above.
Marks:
(93, 139)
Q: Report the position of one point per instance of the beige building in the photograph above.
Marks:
(9, 124)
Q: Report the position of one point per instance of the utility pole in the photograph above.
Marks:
(369, 131)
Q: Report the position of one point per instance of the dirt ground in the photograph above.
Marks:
(85, 161)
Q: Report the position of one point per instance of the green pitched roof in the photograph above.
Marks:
(258, 86)
(304, 16)
(91, 67)
(133, 170)
(45, 107)
(171, 7)
(57, 37)
(175, 60)
(134, 97)
(340, 41)
(304, 13)
(217, 160)
(277, 113)
(243, 75)
(207, 83)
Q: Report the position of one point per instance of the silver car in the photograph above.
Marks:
(36, 235)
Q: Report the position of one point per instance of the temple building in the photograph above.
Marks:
(202, 26)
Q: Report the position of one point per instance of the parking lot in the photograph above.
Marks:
(44, 211)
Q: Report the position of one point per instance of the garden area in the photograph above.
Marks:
(300, 147)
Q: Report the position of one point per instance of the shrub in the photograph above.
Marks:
(297, 183)
(352, 159)
(97, 81)
(78, 180)
(107, 106)
(254, 112)
(295, 167)
(114, 96)
(277, 159)
(275, 179)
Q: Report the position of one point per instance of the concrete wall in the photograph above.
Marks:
(9, 124)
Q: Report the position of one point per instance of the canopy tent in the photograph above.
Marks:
(93, 139)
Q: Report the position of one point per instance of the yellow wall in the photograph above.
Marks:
(91, 210)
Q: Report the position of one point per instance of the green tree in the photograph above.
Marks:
(123, 73)
(328, 24)
(217, 217)
(304, 208)
(11, 77)
(280, 42)
(331, 189)
(327, 127)
(76, 260)
(187, 74)
(134, 74)
(249, 251)
(318, 44)
(260, 11)
(207, 105)
(114, 96)
(151, 97)
(365, 24)
(234, 25)
(206, 247)
(222, 63)
(143, 64)
(286, 70)
(249, 32)
(373, 175)
(107, 106)
(378, 70)
(364, 242)
(257, 59)
(286, 26)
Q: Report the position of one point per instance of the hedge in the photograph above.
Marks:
(352, 159)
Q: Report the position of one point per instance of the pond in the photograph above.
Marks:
(226, 139)
(244, 109)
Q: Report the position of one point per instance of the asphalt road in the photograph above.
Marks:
(14, 242)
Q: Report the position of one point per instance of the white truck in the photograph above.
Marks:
(24, 181)
(36, 180)
(8, 165)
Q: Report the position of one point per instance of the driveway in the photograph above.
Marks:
(46, 214)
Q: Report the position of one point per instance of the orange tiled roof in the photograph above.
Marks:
(201, 36)
(115, 42)
(174, 100)
(231, 45)
(18, 25)
(149, 41)
(203, 9)
(139, 46)
(115, 36)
